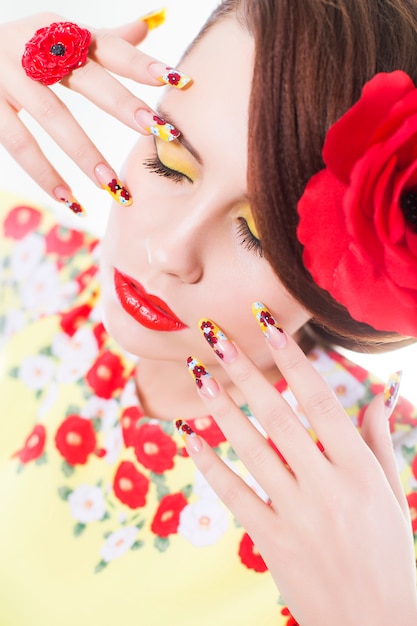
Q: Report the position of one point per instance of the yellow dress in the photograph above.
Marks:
(104, 519)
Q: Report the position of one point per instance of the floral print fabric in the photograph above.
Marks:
(99, 502)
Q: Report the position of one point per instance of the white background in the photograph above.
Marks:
(166, 44)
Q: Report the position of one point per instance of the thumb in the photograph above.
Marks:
(376, 434)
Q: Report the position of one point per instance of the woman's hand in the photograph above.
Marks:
(336, 534)
(110, 51)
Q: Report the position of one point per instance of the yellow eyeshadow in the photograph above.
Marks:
(246, 213)
(172, 155)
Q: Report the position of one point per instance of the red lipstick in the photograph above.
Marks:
(148, 310)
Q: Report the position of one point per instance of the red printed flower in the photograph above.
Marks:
(63, 241)
(167, 516)
(250, 556)
(129, 422)
(56, 50)
(130, 486)
(73, 319)
(154, 449)
(291, 621)
(208, 429)
(33, 446)
(106, 375)
(358, 216)
(75, 439)
(20, 221)
(412, 503)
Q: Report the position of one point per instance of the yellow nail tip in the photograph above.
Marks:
(155, 19)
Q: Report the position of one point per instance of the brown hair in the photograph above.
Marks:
(312, 58)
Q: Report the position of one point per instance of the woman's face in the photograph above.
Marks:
(188, 237)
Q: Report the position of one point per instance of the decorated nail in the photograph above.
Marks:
(169, 75)
(203, 379)
(271, 330)
(191, 440)
(64, 195)
(391, 392)
(154, 19)
(109, 181)
(154, 124)
(218, 341)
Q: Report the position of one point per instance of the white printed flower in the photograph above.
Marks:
(50, 398)
(346, 387)
(129, 395)
(26, 255)
(36, 371)
(105, 410)
(203, 523)
(87, 504)
(321, 360)
(113, 444)
(118, 543)
(15, 321)
(77, 354)
(44, 293)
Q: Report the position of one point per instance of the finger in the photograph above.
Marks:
(123, 59)
(332, 425)
(239, 498)
(269, 407)
(274, 472)
(376, 434)
(55, 118)
(23, 148)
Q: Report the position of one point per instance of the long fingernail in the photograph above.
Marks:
(391, 392)
(169, 75)
(218, 341)
(203, 379)
(271, 330)
(154, 124)
(191, 440)
(154, 19)
(64, 195)
(110, 182)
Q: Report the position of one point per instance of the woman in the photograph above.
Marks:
(125, 515)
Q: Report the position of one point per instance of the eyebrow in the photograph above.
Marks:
(183, 141)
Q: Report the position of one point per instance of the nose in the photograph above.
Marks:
(176, 250)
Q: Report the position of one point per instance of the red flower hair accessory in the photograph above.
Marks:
(54, 51)
(358, 216)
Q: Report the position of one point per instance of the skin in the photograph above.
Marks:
(181, 240)
(338, 525)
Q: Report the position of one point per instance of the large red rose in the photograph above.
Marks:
(33, 446)
(154, 449)
(358, 216)
(250, 556)
(167, 516)
(130, 486)
(20, 221)
(75, 439)
(106, 376)
(54, 51)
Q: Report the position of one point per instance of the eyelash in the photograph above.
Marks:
(153, 164)
(248, 239)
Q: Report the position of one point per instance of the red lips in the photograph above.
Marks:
(148, 310)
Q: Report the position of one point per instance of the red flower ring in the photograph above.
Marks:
(358, 216)
(54, 51)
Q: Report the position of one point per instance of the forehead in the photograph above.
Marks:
(213, 111)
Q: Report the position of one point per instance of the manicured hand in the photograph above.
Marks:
(336, 532)
(111, 51)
